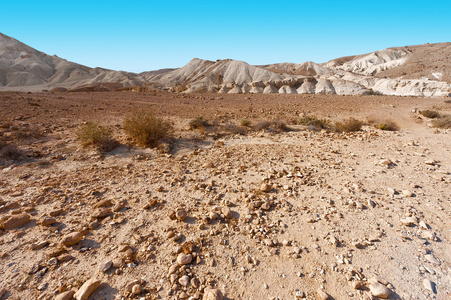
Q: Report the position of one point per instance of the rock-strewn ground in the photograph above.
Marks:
(290, 215)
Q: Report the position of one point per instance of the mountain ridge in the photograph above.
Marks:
(418, 70)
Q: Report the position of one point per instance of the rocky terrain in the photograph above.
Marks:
(264, 214)
(421, 70)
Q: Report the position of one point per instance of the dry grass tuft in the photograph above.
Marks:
(93, 134)
(147, 130)
(431, 114)
(272, 126)
(443, 122)
(313, 121)
(349, 125)
(198, 123)
(246, 122)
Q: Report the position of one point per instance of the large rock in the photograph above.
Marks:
(87, 289)
(16, 221)
(212, 294)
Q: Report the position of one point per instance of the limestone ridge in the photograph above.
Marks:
(24, 68)
(422, 70)
(406, 71)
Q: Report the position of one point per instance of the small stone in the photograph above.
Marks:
(385, 162)
(72, 238)
(87, 289)
(117, 263)
(47, 221)
(379, 279)
(265, 286)
(105, 266)
(16, 221)
(423, 225)
(173, 269)
(212, 294)
(356, 284)
(67, 295)
(379, 290)
(266, 206)
(184, 280)
(265, 187)
(184, 259)
(300, 294)
(136, 289)
(407, 193)
(181, 214)
(431, 258)
(227, 212)
(430, 162)
(322, 294)
(65, 257)
(429, 285)
(409, 221)
(195, 282)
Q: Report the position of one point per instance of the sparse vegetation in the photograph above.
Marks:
(387, 125)
(198, 123)
(9, 151)
(443, 122)
(246, 122)
(314, 121)
(147, 130)
(236, 129)
(93, 134)
(349, 125)
(431, 114)
(274, 126)
(372, 93)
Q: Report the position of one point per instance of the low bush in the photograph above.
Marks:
(314, 121)
(147, 130)
(274, 126)
(198, 122)
(246, 122)
(387, 125)
(372, 93)
(431, 114)
(349, 125)
(10, 152)
(96, 135)
(443, 122)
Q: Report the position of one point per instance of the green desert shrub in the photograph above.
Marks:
(349, 125)
(147, 130)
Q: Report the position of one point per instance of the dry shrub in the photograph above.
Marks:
(236, 129)
(245, 122)
(431, 114)
(349, 125)
(273, 126)
(198, 123)
(387, 125)
(314, 121)
(26, 133)
(10, 152)
(96, 135)
(443, 122)
(147, 130)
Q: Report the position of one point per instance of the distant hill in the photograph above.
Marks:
(422, 70)
(25, 68)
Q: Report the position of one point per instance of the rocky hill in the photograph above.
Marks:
(421, 70)
(25, 68)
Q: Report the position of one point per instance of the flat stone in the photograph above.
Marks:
(409, 221)
(67, 295)
(429, 285)
(105, 266)
(212, 294)
(184, 280)
(47, 221)
(87, 289)
(184, 259)
(322, 294)
(379, 290)
(431, 258)
(72, 238)
(16, 221)
(181, 214)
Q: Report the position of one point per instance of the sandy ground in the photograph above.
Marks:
(269, 215)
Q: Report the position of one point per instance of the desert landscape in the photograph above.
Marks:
(313, 194)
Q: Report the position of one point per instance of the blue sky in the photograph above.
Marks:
(139, 36)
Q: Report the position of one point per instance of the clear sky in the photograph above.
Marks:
(140, 36)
